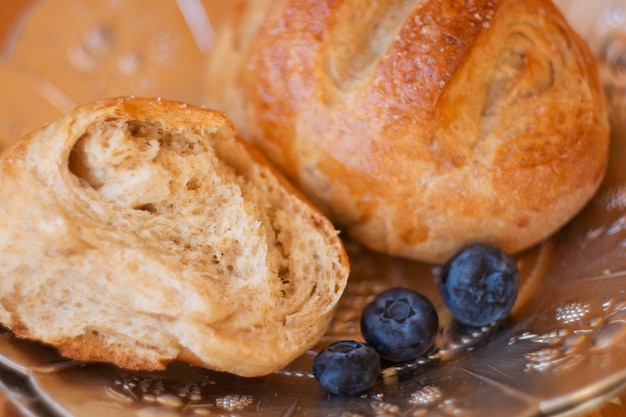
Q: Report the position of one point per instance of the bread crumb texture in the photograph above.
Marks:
(140, 231)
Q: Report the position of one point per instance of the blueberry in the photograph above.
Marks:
(347, 367)
(400, 324)
(479, 284)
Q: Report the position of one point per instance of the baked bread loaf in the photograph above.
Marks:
(141, 231)
(419, 126)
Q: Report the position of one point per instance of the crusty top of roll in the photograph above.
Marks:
(140, 231)
(420, 126)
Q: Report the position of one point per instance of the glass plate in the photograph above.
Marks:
(563, 346)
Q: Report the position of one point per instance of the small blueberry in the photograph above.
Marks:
(479, 284)
(347, 367)
(400, 324)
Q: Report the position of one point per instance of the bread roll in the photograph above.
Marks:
(139, 231)
(420, 126)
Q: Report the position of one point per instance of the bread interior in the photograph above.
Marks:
(193, 195)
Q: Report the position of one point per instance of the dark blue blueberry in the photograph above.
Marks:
(400, 324)
(479, 284)
(347, 367)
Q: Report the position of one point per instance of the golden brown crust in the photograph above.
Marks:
(420, 126)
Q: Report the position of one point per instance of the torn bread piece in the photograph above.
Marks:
(141, 231)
